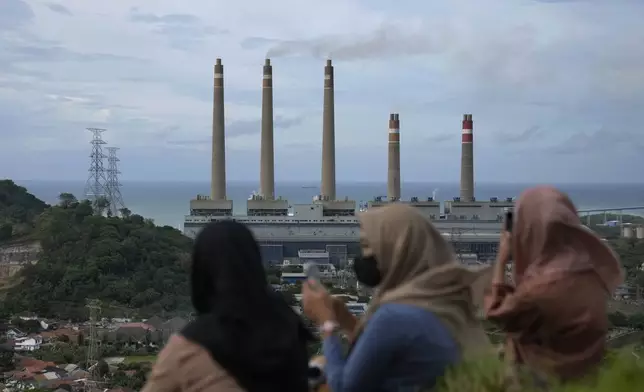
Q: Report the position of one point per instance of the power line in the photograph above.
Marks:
(113, 186)
(95, 188)
(94, 307)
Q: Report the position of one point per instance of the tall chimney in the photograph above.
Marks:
(467, 159)
(393, 170)
(328, 136)
(218, 176)
(267, 167)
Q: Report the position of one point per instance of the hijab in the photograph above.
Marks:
(420, 268)
(549, 242)
(555, 317)
(246, 327)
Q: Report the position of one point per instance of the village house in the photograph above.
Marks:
(14, 333)
(27, 343)
(33, 373)
(134, 331)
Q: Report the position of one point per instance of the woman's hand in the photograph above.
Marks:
(502, 258)
(345, 319)
(317, 303)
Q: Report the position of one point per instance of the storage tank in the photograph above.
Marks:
(639, 232)
(627, 232)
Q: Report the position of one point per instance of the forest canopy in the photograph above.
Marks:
(129, 263)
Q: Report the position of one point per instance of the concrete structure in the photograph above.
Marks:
(14, 257)
(315, 256)
(627, 231)
(267, 159)
(467, 159)
(218, 179)
(292, 277)
(639, 232)
(327, 189)
(393, 168)
(492, 210)
(327, 224)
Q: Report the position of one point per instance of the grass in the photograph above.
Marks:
(140, 359)
(621, 373)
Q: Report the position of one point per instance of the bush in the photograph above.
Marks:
(621, 373)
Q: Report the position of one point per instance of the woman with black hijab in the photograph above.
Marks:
(245, 336)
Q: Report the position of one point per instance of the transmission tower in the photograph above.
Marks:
(113, 186)
(95, 188)
(94, 307)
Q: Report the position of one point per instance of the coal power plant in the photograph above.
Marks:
(327, 229)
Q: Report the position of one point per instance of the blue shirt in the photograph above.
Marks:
(402, 348)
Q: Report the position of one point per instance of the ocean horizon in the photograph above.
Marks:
(167, 202)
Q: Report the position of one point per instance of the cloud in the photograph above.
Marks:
(532, 74)
(243, 128)
(183, 31)
(14, 14)
(528, 134)
(559, 1)
(601, 141)
(58, 8)
(440, 138)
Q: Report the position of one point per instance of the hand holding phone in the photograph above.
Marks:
(313, 276)
(509, 217)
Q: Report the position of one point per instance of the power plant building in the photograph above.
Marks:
(328, 226)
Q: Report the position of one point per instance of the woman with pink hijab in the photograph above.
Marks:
(555, 314)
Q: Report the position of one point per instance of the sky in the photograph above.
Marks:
(555, 87)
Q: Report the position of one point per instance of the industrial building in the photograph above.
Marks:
(328, 227)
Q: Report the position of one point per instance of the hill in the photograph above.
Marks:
(130, 264)
(18, 210)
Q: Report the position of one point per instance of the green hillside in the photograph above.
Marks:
(18, 210)
(129, 263)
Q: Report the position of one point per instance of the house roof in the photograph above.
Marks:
(60, 332)
(175, 324)
(155, 321)
(145, 326)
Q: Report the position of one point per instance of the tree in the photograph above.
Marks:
(618, 319)
(128, 263)
(101, 204)
(6, 360)
(67, 200)
(6, 231)
(102, 368)
(125, 212)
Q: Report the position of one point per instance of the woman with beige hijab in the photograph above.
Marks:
(422, 316)
(555, 312)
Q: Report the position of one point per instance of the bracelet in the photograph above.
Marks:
(329, 327)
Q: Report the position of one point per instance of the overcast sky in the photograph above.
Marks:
(556, 88)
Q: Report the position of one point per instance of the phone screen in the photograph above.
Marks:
(509, 216)
(313, 272)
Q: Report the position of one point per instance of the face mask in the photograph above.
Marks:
(367, 272)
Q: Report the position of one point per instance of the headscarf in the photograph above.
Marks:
(555, 316)
(248, 329)
(549, 241)
(420, 268)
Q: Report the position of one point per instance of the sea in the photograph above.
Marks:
(168, 202)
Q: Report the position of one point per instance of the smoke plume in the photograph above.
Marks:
(386, 41)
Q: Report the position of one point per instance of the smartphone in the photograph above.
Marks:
(313, 272)
(509, 217)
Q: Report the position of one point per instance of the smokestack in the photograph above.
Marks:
(328, 136)
(467, 159)
(393, 171)
(267, 167)
(218, 176)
